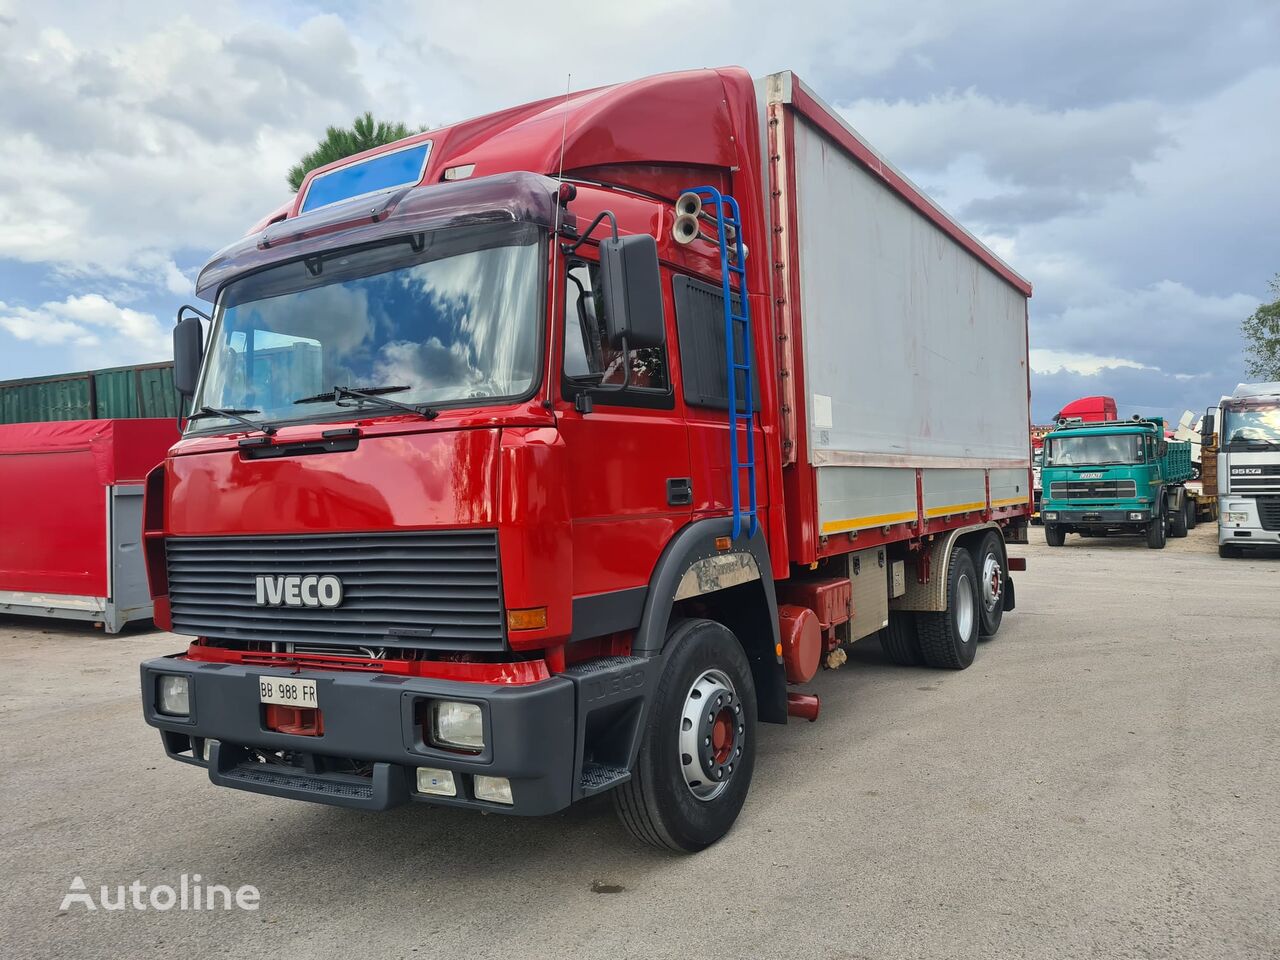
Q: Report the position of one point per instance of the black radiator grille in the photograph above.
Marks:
(1092, 489)
(1269, 512)
(435, 589)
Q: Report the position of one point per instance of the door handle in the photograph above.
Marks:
(679, 491)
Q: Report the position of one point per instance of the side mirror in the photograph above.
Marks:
(188, 351)
(1206, 426)
(632, 289)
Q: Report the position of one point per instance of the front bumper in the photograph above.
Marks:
(1247, 530)
(1076, 516)
(529, 736)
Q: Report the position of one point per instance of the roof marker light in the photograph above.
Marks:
(460, 172)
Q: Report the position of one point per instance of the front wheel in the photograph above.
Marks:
(1054, 535)
(1157, 532)
(698, 753)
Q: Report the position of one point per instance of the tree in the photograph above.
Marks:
(1262, 338)
(340, 142)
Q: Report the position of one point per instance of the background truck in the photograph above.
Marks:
(1248, 467)
(1120, 476)
(144, 390)
(567, 480)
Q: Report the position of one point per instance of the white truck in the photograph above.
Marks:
(1248, 467)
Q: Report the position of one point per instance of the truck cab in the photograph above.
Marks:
(1115, 477)
(1248, 426)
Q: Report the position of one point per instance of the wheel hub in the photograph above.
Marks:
(992, 581)
(712, 734)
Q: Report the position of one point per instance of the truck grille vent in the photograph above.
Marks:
(1259, 478)
(1092, 489)
(435, 590)
(1269, 512)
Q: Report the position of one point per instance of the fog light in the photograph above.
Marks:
(494, 789)
(1137, 515)
(207, 748)
(175, 698)
(457, 726)
(438, 782)
(1050, 515)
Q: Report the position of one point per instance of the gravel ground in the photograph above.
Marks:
(1102, 782)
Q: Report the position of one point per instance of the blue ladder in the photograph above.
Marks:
(737, 333)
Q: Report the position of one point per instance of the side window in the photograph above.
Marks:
(588, 356)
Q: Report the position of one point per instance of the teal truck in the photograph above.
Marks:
(1120, 476)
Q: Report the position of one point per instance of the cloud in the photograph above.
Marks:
(1053, 361)
(101, 332)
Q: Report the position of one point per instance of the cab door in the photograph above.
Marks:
(629, 481)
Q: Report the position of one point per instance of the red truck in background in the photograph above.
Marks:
(544, 454)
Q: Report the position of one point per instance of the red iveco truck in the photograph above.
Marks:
(547, 453)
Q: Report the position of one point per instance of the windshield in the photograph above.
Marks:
(1255, 422)
(1093, 450)
(452, 316)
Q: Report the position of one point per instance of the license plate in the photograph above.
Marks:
(288, 691)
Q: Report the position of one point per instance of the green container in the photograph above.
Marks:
(117, 393)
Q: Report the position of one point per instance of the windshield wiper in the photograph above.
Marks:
(233, 414)
(370, 394)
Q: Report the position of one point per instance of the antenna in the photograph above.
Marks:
(555, 227)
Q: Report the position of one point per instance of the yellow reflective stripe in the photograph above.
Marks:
(1007, 501)
(880, 520)
(954, 508)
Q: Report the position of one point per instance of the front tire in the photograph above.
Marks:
(1157, 532)
(949, 639)
(1054, 535)
(698, 753)
(990, 566)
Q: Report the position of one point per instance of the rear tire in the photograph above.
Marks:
(1192, 519)
(949, 639)
(681, 806)
(1178, 522)
(1053, 535)
(899, 641)
(989, 563)
(1157, 532)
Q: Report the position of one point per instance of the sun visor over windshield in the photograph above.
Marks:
(504, 197)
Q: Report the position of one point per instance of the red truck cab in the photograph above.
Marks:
(454, 519)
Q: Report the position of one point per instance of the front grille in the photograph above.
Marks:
(1269, 512)
(1092, 489)
(1255, 478)
(436, 590)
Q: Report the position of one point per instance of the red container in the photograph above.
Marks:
(71, 517)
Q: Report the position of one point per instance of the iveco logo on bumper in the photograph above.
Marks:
(308, 590)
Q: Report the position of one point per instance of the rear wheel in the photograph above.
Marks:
(1192, 519)
(989, 562)
(1053, 535)
(948, 639)
(698, 753)
(899, 641)
(1157, 532)
(1178, 521)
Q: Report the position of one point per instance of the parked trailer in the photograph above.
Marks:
(71, 517)
(504, 565)
(143, 390)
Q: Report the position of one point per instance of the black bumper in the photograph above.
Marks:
(531, 736)
(1099, 517)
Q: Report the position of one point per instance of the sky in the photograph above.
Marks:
(1123, 156)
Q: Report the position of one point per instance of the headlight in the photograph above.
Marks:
(175, 696)
(457, 726)
(1136, 515)
(494, 789)
(1050, 515)
(1233, 517)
